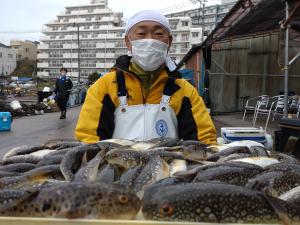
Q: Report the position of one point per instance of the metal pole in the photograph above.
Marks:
(72, 53)
(78, 43)
(286, 66)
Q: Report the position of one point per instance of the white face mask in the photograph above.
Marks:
(149, 54)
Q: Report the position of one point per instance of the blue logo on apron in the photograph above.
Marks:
(161, 128)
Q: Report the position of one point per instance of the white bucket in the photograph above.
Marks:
(15, 105)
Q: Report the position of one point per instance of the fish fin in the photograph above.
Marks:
(84, 160)
(278, 208)
(40, 174)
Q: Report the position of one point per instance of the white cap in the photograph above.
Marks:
(147, 15)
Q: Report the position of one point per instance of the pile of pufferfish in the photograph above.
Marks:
(162, 179)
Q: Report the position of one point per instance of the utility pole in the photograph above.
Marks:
(201, 6)
(78, 48)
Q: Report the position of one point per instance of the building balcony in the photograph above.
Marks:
(69, 65)
(43, 47)
(53, 22)
(104, 65)
(70, 46)
(45, 38)
(105, 45)
(43, 74)
(47, 30)
(105, 55)
(43, 56)
(69, 55)
(43, 65)
(107, 19)
(73, 74)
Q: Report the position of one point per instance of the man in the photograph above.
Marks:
(63, 86)
(143, 96)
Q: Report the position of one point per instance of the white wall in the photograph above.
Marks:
(8, 60)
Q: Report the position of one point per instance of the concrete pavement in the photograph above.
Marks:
(37, 129)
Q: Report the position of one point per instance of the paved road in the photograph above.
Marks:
(35, 130)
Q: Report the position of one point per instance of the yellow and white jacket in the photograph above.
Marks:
(96, 120)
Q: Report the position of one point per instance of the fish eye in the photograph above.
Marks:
(166, 210)
(123, 199)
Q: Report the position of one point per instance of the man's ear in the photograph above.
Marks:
(127, 43)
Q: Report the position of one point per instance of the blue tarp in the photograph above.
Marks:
(24, 79)
(188, 74)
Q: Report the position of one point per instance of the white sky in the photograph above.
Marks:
(23, 19)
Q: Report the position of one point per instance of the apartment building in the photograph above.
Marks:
(101, 40)
(8, 61)
(100, 33)
(205, 17)
(183, 36)
(25, 49)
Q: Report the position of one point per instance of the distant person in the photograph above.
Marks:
(144, 96)
(63, 86)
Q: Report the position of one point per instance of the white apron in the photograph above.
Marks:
(144, 122)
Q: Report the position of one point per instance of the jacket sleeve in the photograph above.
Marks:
(194, 121)
(56, 86)
(70, 84)
(96, 119)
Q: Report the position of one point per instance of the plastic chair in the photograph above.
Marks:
(294, 102)
(279, 108)
(262, 108)
(252, 107)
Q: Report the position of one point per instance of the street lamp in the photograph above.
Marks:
(78, 48)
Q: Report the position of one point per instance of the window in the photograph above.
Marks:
(90, 10)
(10, 56)
(185, 37)
(194, 34)
(184, 23)
(0, 54)
(27, 50)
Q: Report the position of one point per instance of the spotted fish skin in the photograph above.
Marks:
(274, 183)
(127, 179)
(284, 167)
(153, 171)
(229, 151)
(227, 174)
(73, 158)
(108, 174)
(18, 167)
(22, 150)
(22, 159)
(88, 172)
(215, 203)
(126, 158)
(79, 200)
